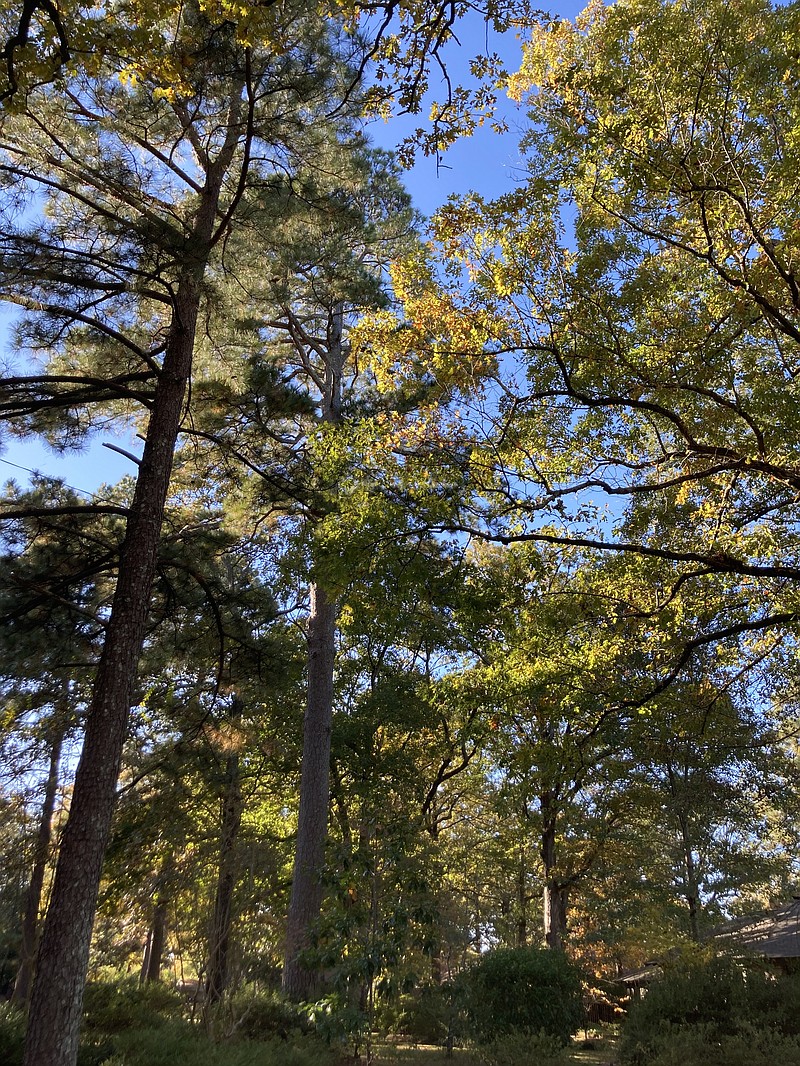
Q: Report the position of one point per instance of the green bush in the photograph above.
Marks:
(93, 1050)
(693, 991)
(167, 1042)
(701, 1005)
(255, 1015)
(773, 1000)
(702, 1044)
(337, 1021)
(112, 1006)
(524, 1049)
(531, 990)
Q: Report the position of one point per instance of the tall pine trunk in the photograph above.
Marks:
(56, 1003)
(312, 823)
(33, 899)
(57, 998)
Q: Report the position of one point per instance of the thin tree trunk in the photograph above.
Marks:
(692, 892)
(157, 933)
(312, 823)
(33, 899)
(522, 898)
(232, 806)
(57, 998)
(554, 896)
(342, 814)
(156, 943)
(678, 790)
(307, 890)
(146, 956)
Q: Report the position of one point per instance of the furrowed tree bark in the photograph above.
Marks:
(57, 997)
(555, 915)
(312, 823)
(33, 899)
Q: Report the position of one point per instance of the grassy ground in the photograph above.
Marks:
(595, 1052)
(599, 1051)
(421, 1055)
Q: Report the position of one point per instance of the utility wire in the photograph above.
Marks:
(50, 477)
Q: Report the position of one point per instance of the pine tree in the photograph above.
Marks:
(142, 181)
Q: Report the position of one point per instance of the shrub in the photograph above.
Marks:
(703, 1045)
(524, 1049)
(92, 1052)
(532, 990)
(260, 1016)
(773, 999)
(431, 1014)
(337, 1021)
(692, 991)
(160, 1041)
(700, 1005)
(111, 1006)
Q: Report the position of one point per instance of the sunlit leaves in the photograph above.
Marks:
(645, 273)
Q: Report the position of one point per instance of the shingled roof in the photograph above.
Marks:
(774, 936)
(635, 979)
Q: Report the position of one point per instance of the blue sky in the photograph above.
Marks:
(486, 163)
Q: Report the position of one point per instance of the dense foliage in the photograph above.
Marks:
(450, 606)
(528, 990)
(713, 1009)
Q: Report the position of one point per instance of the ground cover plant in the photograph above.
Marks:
(126, 1024)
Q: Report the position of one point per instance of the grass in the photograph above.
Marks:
(419, 1055)
(601, 1051)
(598, 1051)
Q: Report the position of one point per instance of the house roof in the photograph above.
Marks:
(775, 935)
(643, 976)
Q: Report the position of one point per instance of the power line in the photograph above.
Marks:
(49, 477)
